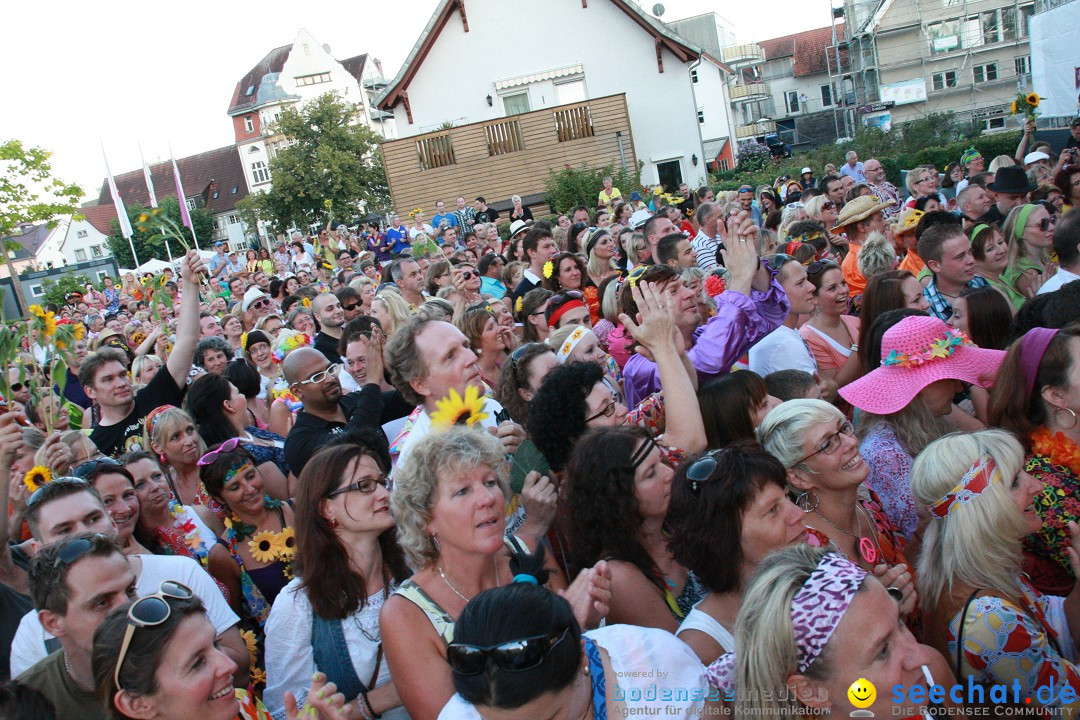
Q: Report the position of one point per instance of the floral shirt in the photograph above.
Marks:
(650, 415)
(890, 475)
(1057, 504)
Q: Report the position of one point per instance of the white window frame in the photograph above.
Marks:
(249, 124)
(792, 102)
(260, 173)
(516, 94)
(37, 291)
(945, 84)
(81, 233)
(190, 202)
(80, 255)
(984, 71)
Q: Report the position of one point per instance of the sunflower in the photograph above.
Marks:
(1033, 99)
(286, 543)
(549, 269)
(519, 306)
(37, 310)
(36, 477)
(79, 331)
(1013, 108)
(306, 302)
(252, 644)
(456, 410)
(263, 547)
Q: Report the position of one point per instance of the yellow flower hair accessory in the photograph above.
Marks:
(549, 269)
(306, 302)
(36, 477)
(457, 410)
(519, 306)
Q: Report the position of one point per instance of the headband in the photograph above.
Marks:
(1032, 348)
(816, 611)
(153, 416)
(793, 246)
(594, 237)
(981, 475)
(1021, 220)
(571, 342)
(976, 230)
(968, 155)
(563, 309)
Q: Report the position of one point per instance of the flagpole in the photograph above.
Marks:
(185, 216)
(149, 180)
(121, 211)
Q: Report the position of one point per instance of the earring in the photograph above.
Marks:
(333, 522)
(164, 462)
(1071, 413)
(803, 501)
(435, 539)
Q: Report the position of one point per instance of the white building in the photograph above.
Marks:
(294, 74)
(88, 239)
(477, 62)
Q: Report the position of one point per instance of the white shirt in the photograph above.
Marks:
(1061, 277)
(422, 426)
(782, 349)
(290, 659)
(705, 250)
(28, 647)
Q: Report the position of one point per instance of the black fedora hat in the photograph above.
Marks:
(1011, 180)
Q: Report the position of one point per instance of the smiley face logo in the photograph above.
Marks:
(862, 693)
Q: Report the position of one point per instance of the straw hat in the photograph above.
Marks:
(859, 209)
(915, 352)
(907, 221)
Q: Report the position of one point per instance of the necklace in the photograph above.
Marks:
(867, 548)
(458, 592)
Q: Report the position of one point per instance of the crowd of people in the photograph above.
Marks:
(716, 451)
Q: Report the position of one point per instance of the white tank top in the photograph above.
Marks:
(702, 622)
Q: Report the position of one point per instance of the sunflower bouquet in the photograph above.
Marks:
(1026, 104)
(161, 227)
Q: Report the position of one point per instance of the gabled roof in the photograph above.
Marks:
(100, 217)
(216, 175)
(30, 238)
(259, 85)
(392, 93)
(807, 48)
(355, 66)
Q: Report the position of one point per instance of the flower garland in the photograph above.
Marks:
(289, 344)
(942, 347)
(1056, 447)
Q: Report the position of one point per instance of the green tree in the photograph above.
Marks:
(146, 246)
(572, 186)
(56, 292)
(29, 193)
(331, 167)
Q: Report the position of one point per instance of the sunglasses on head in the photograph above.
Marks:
(700, 471)
(36, 496)
(820, 266)
(225, 447)
(86, 469)
(778, 260)
(149, 611)
(828, 205)
(513, 656)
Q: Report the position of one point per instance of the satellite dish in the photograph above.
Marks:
(326, 48)
(658, 10)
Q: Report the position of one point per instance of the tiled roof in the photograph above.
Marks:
(100, 217)
(31, 239)
(355, 66)
(807, 48)
(246, 95)
(213, 175)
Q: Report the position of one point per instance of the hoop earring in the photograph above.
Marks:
(803, 502)
(1063, 427)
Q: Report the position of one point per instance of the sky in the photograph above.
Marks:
(82, 75)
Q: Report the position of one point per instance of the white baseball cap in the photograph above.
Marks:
(639, 218)
(1034, 157)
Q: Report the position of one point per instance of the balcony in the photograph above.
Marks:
(753, 130)
(375, 83)
(743, 56)
(750, 92)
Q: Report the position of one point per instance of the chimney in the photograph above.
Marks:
(378, 66)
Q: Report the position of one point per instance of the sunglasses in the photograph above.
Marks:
(820, 266)
(513, 656)
(1045, 224)
(225, 447)
(85, 469)
(778, 260)
(76, 549)
(259, 304)
(565, 295)
(318, 377)
(365, 486)
(149, 611)
(16, 387)
(701, 470)
(467, 274)
(350, 308)
(35, 498)
(828, 205)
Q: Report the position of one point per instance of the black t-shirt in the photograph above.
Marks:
(126, 435)
(328, 346)
(523, 287)
(526, 214)
(487, 216)
(13, 605)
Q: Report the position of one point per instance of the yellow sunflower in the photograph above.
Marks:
(37, 310)
(549, 269)
(36, 477)
(286, 543)
(263, 547)
(258, 676)
(1033, 99)
(50, 323)
(306, 302)
(519, 306)
(252, 644)
(456, 410)
(1013, 108)
(79, 331)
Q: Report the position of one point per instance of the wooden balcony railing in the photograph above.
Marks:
(504, 137)
(573, 123)
(436, 151)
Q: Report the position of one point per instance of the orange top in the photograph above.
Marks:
(912, 263)
(850, 268)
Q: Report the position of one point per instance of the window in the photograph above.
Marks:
(95, 251)
(570, 92)
(516, 104)
(944, 36)
(996, 123)
(37, 291)
(700, 115)
(693, 75)
(791, 99)
(670, 174)
(315, 79)
(778, 68)
(259, 172)
(80, 255)
(826, 95)
(1022, 65)
(985, 73)
(944, 80)
(249, 124)
(1025, 15)
(80, 233)
(233, 220)
(190, 202)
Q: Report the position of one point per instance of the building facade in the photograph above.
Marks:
(88, 239)
(670, 85)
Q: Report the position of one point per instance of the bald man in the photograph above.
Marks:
(327, 412)
(331, 316)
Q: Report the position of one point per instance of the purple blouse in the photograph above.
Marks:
(890, 476)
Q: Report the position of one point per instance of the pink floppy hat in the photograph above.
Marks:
(914, 353)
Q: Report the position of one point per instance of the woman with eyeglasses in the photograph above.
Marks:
(831, 333)
(729, 510)
(533, 315)
(450, 503)
(817, 445)
(171, 434)
(1030, 232)
(259, 353)
(158, 657)
(489, 340)
(437, 276)
(519, 652)
(348, 563)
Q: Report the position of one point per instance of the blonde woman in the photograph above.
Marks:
(171, 434)
(1029, 230)
(599, 247)
(999, 162)
(822, 209)
(921, 181)
(974, 592)
(637, 251)
(391, 310)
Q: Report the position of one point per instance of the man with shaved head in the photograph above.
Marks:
(327, 412)
(331, 316)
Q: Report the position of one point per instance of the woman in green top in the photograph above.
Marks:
(1031, 230)
(991, 253)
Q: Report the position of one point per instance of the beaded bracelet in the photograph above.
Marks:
(367, 703)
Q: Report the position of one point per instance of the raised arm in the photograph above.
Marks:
(187, 332)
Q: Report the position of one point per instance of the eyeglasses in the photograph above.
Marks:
(831, 443)
(365, 486)
(149, 611)
(318, 377)
(795, 205)
(85, 469)
(225, 447)
(513, 656)
(607, 411)
(261, 303)
(350, 308)
(820, 266)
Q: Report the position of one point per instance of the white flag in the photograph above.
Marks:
(149, 180)
(121, 212)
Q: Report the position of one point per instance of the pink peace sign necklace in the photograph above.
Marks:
(867, 549)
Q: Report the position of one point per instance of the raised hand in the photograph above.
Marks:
(323, 702)
(540, 498)
(656, 316)
(589, 595)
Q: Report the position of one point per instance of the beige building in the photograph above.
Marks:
(910, 58)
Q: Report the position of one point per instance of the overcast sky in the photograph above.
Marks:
(126, 73)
